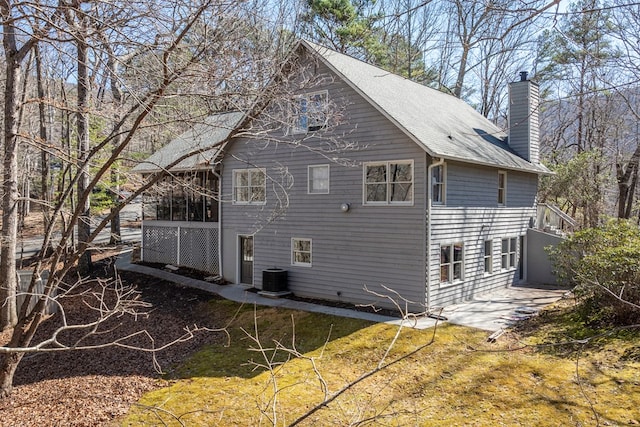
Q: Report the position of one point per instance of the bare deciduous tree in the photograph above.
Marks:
(19, 35)
(184, 51)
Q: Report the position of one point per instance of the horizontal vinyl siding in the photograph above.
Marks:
(367, 246)
(534, 125)
(472, 226)
(469, 185)
(477, 186)
(522, 189)
(519, 114)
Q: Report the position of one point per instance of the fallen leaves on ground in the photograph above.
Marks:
(94, 387)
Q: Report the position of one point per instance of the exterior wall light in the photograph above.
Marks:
(345, 207)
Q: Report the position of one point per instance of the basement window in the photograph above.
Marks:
(451, 263)
(509, 247)
(488, 256)
(301, 252)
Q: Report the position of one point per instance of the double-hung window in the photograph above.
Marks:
(318, 179)
(438, 185)
(249, 186)
(388, 182)
(310, 112)
(488, 256)
(451, 263)
(502, 188)
(301, 252)
(509, 247)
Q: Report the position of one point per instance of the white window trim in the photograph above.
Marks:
(444, 186)
(504, 189)
(387, 202)
(309, 191)
(510, 251)
(233, 186)
(452, 282)
(295, 129)
(486, 256)
(301, 264)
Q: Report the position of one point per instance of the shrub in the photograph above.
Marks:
(603, 263)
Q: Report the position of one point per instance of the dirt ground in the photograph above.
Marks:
(94, 387)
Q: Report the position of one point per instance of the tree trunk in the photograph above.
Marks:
(627, 179)
(8, 313)
(21, 337)
(8, 364)
(44, 154)
(457, 90)
(116, 236)
(632, 193)
(112, 65)
(13, 57)
(84, 224)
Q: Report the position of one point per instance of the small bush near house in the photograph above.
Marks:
(603, 263)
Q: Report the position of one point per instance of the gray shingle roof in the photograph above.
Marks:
(443, 125)
(196, 140)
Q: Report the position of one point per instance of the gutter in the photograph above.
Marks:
(439, 162)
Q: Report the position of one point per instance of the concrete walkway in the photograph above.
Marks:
(490, 312)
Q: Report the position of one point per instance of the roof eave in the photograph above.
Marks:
(533, 169)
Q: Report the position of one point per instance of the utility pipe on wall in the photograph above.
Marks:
(219, 197)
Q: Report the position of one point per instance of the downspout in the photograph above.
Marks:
(439, 162)
(142, 225)
(218, 195)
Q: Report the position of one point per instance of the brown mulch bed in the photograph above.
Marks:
(95, 387)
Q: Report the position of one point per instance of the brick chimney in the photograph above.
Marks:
(524, 133)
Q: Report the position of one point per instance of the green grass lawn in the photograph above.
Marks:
(450, 378)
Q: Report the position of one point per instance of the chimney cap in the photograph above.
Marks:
(524, 76)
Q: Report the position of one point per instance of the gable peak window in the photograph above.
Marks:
(388, 182)
(310, 112)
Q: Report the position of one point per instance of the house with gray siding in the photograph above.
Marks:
(368, 188)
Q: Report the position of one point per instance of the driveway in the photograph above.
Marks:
(132, 212)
